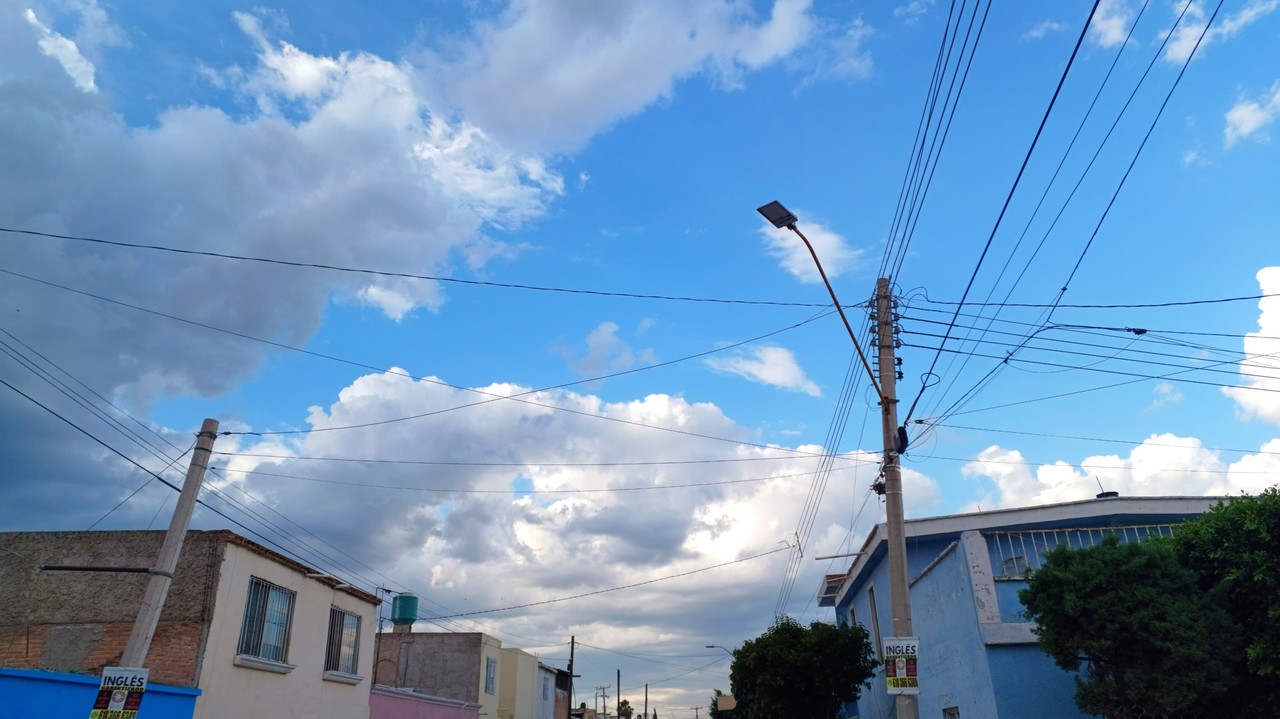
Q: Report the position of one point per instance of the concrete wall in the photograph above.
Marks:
(79, 621)
(304, 692)
(1014, 669)
(546, 693)
(518, 685)
(450, 665)
(35, 694)
(388, 703)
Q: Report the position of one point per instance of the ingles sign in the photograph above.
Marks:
(120, 694)
(900, 661)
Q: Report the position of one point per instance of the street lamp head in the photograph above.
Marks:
(780, 216)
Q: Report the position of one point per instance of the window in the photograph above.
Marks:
(268, 615)
(490, 674)
(344, 641)
(546, 688)
(875, 619)
(951, 713)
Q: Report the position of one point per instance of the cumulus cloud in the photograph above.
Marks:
(1110, 24)
(1044, 29)
(835, 254)
(545, 75)
(1166, 395)
(1250, 118)
(343, 163)
(774, 366)
(606, 352)
(63, 50)
(1184, 37)
(1256, 396)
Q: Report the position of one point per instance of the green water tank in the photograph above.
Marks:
(404, 609)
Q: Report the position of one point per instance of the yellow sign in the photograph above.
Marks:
(120, 694)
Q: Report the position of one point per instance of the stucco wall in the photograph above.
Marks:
(80, 621)
(518, 687)
(1014, 669)
(246, 693)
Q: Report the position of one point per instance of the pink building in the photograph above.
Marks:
(391, 703)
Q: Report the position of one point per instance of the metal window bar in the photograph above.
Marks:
(268, 614)
(1018, 553)
(344, 641)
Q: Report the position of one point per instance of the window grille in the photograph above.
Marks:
(268, 616)
(490, 674)
(344, 641)
(1019, 553)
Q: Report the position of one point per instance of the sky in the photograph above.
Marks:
(525, 337)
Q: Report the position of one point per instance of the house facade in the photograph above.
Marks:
(977, 655)
(462, 666)
(257, 632)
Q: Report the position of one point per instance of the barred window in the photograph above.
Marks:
(344, 641)
(268, 616)
(490, 675)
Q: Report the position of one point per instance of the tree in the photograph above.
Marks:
(624, 709)
(796, 672)
(1152, 642)
(714, 711)
(1232, 549)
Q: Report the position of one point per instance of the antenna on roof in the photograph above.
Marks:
(1104, 494)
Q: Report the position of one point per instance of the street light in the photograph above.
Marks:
(899, 589)
(782, 218)
(717, 646)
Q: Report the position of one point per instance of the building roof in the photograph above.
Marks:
(230, 537)
(1111, 510)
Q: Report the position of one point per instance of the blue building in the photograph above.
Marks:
(978, 658)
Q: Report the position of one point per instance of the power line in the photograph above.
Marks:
(405, 275)
(614, 589)
(429, 380)
(1080, 438)
(522, 492)
(1009, 198)
(1117, 306)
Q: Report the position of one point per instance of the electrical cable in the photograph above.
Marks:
(1009, 198)
(404, 275)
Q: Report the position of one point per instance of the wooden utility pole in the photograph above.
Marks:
(573, 641)
(899, 591)
(144, 627)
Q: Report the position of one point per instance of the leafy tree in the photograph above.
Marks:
(714, 711)
(1233, 549)
(624, 709)
(796, 672)
(1151, 640)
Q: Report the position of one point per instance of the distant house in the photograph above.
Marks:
(464, 666)
(978, 657)
(258, 633)
(553, 692)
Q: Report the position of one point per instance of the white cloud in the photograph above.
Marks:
(606, 352)
(1110, 24)
(775, 366)
(851, 60)
(1185, 36)
(1258, 396)
(1166, 395)
(913, 10)
(55, 46)
(1163, 465)
(345, 163)
(1250, 118)
(549, 75)
(1044, 29)
(784, 245)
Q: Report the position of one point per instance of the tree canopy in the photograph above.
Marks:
(1133, 615)
(1234, 550)
(796, 672)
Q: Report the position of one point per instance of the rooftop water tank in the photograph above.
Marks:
(404, 609)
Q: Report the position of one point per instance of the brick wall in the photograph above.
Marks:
(79, 622)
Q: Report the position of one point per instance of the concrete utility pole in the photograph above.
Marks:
(144, 627)
(899, 591)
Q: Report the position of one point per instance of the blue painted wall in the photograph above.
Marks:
(1015, 671)
(31, 694)
(1011, 609)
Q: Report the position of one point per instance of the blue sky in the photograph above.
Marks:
(622, 149)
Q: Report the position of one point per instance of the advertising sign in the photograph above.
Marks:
(900, 655)
(120, 694)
